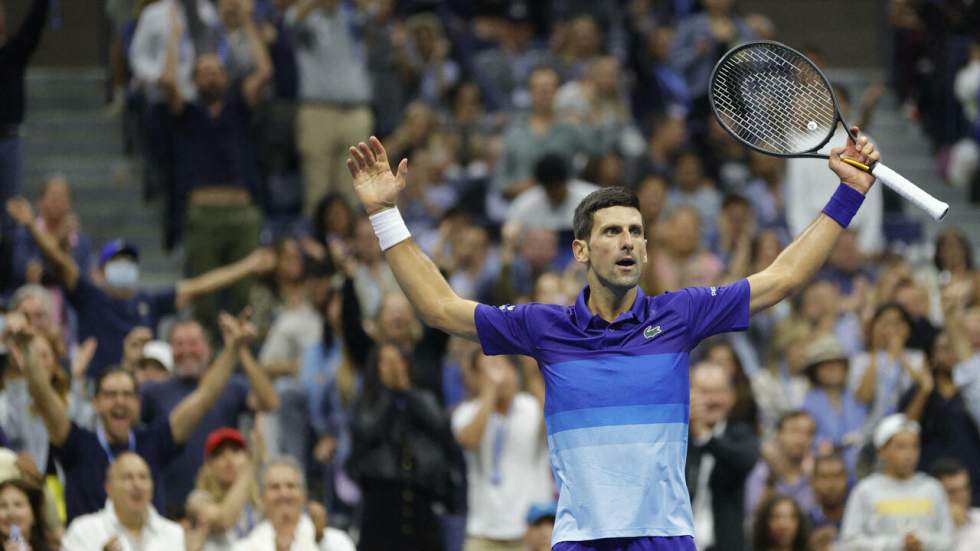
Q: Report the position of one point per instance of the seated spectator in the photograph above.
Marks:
(157, 22)
(56, 217)
(524, 257)
(402, 459)
(830, 490)
(156, 365)
(667, 139)
(780, 525)
(935, 402)
(678, 259)
(128, 520)
(820, 305)
(966, 519)
(225, 496)
(502, 433)
(720, 454)
(84, 454)
(881, 375)
(839, 416)
(109, 310)
(238, 395)
(540, 520)
(897, 507)
(287, 526)
(551, 203)
(213, 163)
(334, 92)
(528, 139)
(652, 193)
(694, 189)
(21, 514)
(783, 467)
(782, 385)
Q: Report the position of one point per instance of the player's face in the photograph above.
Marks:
(617, 250)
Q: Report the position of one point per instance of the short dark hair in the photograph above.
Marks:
(946, 466)
(834, 456)
(604, 198)
(115, 371)
(790, 415)
(551, 169)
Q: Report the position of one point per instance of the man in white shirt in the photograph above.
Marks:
(966, 519)
(287, 526)
(502, 433)
(551, 203)
(129, 521)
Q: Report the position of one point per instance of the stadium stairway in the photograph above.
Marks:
(906, 149)
(67, 131)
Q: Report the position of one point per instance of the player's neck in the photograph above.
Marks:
(608, 303)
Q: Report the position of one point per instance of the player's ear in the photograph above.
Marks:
(580, 249)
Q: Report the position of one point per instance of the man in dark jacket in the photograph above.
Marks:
(720, 455)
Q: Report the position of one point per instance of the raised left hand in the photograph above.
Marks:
(862, 151)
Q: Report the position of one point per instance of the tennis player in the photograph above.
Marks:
(616, 363)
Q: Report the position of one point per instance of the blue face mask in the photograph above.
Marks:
(122, 274)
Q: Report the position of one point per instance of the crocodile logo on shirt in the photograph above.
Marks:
(652, 331)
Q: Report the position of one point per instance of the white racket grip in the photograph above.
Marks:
(918, 196)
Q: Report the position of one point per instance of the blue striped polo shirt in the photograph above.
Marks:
(617, 404)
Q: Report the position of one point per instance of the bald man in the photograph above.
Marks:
(128, 521)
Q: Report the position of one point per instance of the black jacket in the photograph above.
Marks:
(736, 451)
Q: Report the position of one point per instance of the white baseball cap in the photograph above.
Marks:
(892, 425)
(159, 351)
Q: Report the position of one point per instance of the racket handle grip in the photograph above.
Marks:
(918, 196)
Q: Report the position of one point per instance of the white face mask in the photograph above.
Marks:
(122, 274)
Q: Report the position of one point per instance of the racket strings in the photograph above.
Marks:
(773, 99)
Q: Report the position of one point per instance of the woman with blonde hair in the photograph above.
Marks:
(225, 496)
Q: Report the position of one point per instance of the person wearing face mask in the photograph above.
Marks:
(109, 309)
(212, 158)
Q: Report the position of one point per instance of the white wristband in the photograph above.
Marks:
(389, 227)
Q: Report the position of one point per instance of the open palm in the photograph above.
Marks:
(376, 186)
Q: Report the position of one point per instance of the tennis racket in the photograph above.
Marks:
(776, 101)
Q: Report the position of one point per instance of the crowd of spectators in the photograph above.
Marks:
(321, 412)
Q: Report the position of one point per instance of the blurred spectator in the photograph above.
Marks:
(109, 310)
(287, 525)
(502, 432)
(721, 351)
(128, 520)
(16, 49)
(599, 99)
(678, 259)
(427, 52)
(469, 264)
(237, 396)
(156, 364)
(830, 489)
(237, 21)
(504, 70)
(838, 414)
(783, 467)
(694, 189)
(966, 519)
(780, 525)
(194, 26)
(334, 91)
(822, 308)
(540, 521)
(700, 41)
(652, 193)
(897, 507)
(667, 138)
(659, 88)
(55, 216)
(720, 455)
(765, 190)
(225, 497)
(551, 203)
(521, 264)
(529, 138)
(213, 161)
(363, 262)
(401, 459)
(84, 453)
(573, 44)
(22, 508)
(782, 385)
(939, 406)
(880, 376)
(333, 220)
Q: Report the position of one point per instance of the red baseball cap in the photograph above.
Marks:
(224, 435)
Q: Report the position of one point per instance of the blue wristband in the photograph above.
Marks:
(844, 204)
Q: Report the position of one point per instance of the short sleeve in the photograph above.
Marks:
(713, 310)
(505, 329)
